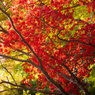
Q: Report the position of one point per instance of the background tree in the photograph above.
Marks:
(53, 39)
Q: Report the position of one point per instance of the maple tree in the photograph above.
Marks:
(51, 41)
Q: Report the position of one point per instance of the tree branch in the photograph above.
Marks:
(68, 78)
(73, 40)
(53, 82)
(3, 30)
(9, 57)
(23, 40)
(77, 81)
(29, 61)
(28, 54)
(41, 66)
(10, 75)
(1, 38)
(27, 88)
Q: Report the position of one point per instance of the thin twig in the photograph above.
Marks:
(10, 75)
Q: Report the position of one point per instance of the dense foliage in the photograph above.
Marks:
(54, 40)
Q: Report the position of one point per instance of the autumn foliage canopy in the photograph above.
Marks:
(52, 41)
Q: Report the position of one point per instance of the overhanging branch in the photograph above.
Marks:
(16, 59)
(74, 40)
(9, 57)
(3, 30)
(27, 88)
